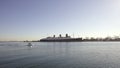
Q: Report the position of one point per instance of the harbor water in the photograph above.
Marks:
(60, 55)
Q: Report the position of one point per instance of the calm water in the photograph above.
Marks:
(60, 55)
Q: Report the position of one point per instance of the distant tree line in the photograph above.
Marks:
(115, 38)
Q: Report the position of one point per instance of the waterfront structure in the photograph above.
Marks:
(60, 39)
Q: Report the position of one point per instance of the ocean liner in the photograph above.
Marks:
(61, 39)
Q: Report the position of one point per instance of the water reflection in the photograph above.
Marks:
(61, 48)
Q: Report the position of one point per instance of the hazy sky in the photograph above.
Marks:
(35, 19)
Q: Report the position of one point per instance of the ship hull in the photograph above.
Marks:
(62, 40)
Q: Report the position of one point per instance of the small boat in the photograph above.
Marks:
(29, 44)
